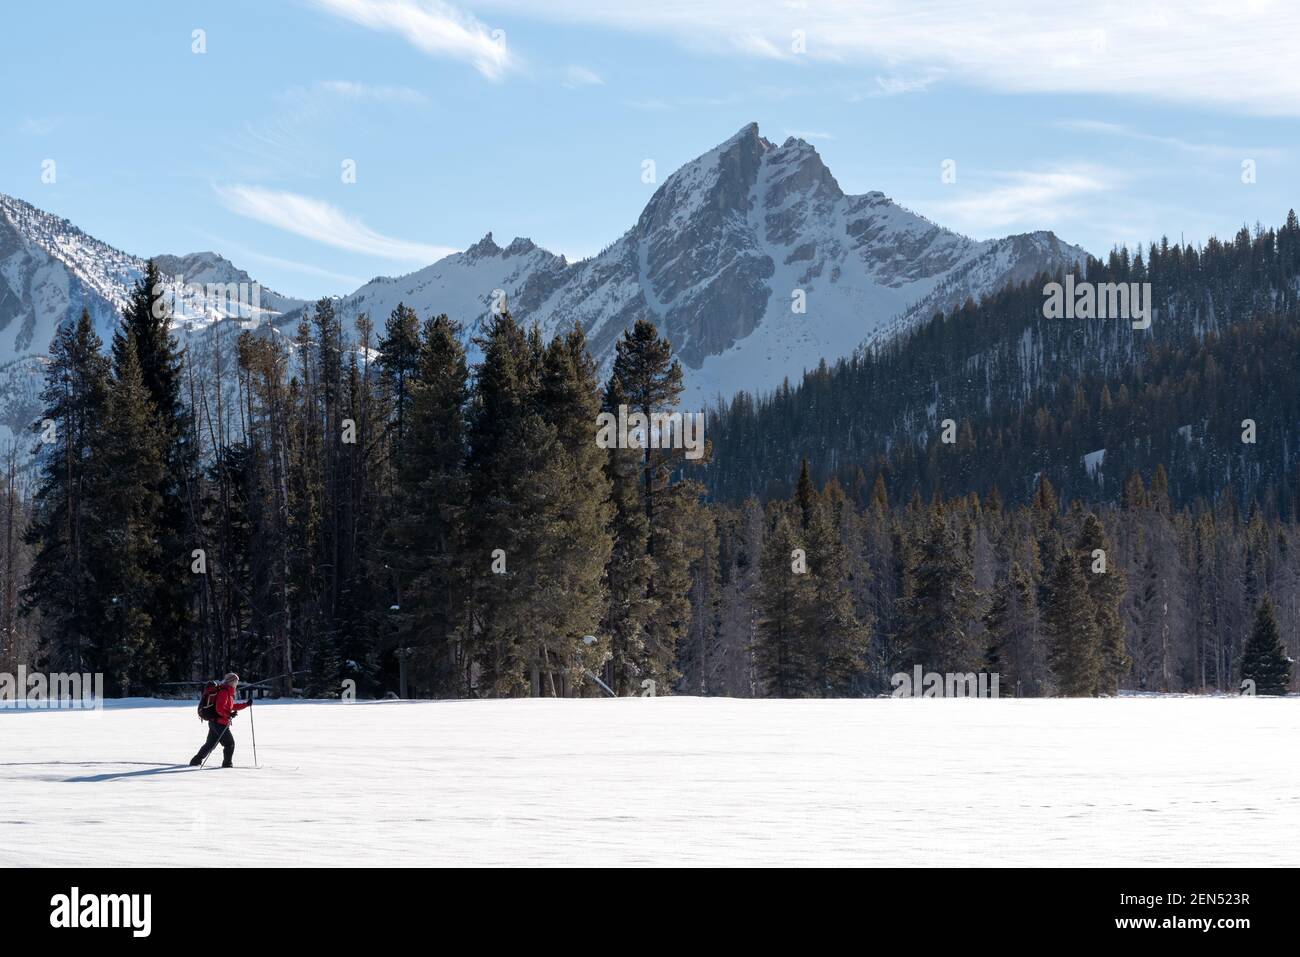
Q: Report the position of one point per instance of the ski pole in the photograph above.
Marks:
(203, 764)
(252, 729)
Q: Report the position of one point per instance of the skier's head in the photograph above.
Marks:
(231, 679)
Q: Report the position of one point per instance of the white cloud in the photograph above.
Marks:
(898, 85)
(657, 104)
(809, 135)
(319, 221)
(349, 90)
(1197, 52)
(1211, 150)
(38, 127)
(240, 253)
(433, 27)
(1026, 197)
(576, 76)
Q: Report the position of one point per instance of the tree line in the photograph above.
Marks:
(374, 505)
(994, 394)
(1056, 599)
(363, 509)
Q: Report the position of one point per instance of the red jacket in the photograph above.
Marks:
(224, 701)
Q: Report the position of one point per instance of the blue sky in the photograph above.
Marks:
(1105, 122)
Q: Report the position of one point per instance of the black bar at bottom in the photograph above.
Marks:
(943, 906)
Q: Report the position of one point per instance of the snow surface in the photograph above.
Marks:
(1131, 781)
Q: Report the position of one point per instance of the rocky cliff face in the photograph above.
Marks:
(721, 258)
(750, 258)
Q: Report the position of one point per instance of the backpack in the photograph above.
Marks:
(208, 701)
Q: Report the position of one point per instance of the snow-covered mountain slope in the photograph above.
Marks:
(750, 258)
(462, 285)
(50, 270)
(207, 286)
(727, 250)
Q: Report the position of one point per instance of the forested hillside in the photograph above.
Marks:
(1082, 402)
(1105, 518)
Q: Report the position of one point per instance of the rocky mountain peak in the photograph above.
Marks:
(484, 247)
(750, 258)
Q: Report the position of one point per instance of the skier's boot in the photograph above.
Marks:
(195, 762)
(227, 764)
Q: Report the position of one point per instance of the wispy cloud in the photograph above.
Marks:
(38, 126)
(809, 135)
(282, 144)
(576, 76)
(321, 222)
(349, 90)
(1210, 150)
(896, 86)
(655, 103)
(1197, 52)
(432, 27)
(241, 254)
(1026, 197)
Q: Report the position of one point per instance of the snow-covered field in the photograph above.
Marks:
(1133, 781)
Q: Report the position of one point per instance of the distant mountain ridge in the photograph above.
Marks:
(50, 270)
(723, 254)
(715, 260)
(1083, 402)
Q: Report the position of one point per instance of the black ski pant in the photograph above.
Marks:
(218, 733)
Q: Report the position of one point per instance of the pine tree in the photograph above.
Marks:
(146, 330)
(940, 604)
(304, 510)
(147, 327)
(650, 381)
(399, 368)
(701, 658)
(783, 650)
(1070, 630)
(1135, 493)
(1014, 640)
(430, 513)
(126, 488)
(17, 636)
(806, 496)
(1264, 659)
(1106, 589)
(1047, 534)
(232, 509)
(838, 637)
(1150, 627)
(628, 605)
(283, 578)
(507, 442)
(326, 412)
(364, 626)
(60, 588)
(576, 541)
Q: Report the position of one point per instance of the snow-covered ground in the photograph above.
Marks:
(1133, 781)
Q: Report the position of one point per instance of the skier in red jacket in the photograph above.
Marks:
(219, 727)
